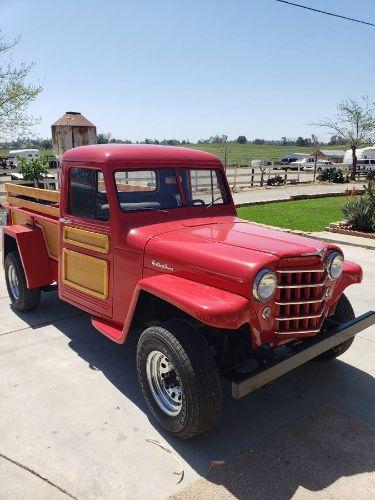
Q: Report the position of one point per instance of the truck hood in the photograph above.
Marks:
(225, 251)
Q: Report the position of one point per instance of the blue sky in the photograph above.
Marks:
(191, 69)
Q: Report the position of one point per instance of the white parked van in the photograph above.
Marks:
(25, 153)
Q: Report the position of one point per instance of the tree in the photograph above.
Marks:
(259, 141)
(103, 138)
(354, 122)
(34, 169)
(15, 93)
(218, 139)
(336, 140)
(241, 139)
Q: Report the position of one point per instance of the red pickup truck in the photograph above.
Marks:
(146, 240)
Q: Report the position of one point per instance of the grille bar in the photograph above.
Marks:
(300, 302)
(297, 332)
(295, 271)
(305, 285)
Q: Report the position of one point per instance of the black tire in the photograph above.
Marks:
(344, 312)
(28, 298)
(196, 373)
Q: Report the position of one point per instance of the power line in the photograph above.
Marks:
(327, 13)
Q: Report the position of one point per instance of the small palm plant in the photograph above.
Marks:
(360, 213)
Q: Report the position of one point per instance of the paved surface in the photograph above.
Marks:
(284, 193)
(345, 239)
(71, 412)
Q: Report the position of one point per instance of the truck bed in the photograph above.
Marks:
(36, 207)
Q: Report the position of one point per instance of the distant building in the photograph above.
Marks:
(334, 155)
(70, 131)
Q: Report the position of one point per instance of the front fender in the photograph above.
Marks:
(352, 274)
(209, 305)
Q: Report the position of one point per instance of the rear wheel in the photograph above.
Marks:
(179, 379)
(23, 298)
(344, 312)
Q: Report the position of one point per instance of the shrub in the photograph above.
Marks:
(34, 169)
(332, 175)
(360, 214)
(275, 181)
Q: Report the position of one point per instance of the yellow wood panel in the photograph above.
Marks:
(38, 207)
(20, 218)
(51, 237)
(32, 192)
(49, 229)
(85, 273)
(86, 239)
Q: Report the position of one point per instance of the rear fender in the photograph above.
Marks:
(31, 246)
(208, 305)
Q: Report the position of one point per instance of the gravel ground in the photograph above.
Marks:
(2, 217)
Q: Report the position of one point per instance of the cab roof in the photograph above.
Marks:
(104, 153)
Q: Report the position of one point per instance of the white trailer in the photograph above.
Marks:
(15, 154)
(361, 153)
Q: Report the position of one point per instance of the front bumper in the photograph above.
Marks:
(243, 384)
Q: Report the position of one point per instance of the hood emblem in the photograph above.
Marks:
(159, 265)
(319, 253)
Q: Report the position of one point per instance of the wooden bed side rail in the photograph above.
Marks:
(32, 192)
(15, 190)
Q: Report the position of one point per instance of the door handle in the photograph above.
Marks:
(63, 220)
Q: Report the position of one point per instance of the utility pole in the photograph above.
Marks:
(315, 142)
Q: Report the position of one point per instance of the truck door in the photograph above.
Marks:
(85, 243)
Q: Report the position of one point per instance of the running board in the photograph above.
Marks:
(243, 384)
(114, 332)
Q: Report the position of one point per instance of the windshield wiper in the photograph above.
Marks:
(214, 201)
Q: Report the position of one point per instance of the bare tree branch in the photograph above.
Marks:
(15, 93)
(355, 123)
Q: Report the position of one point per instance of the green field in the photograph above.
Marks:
(244, 153)
(304, 215)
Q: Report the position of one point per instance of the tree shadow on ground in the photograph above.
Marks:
(314, 453)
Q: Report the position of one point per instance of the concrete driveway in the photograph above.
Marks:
(73, 421)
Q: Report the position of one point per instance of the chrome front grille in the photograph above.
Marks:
(300, 300)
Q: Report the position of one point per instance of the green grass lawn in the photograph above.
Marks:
(305, 215)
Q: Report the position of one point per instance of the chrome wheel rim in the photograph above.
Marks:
(164, 383)
(13, 282)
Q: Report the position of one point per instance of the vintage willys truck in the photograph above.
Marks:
(146, 240)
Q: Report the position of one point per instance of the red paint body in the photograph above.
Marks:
(214, 255)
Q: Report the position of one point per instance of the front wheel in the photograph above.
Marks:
(344, 312)
(23, 298)
(179, 379)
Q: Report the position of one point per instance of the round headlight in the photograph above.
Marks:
(265, 285)
(334, 265)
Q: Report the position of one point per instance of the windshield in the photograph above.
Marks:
(159, 189)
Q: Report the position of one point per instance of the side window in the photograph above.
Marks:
(87, 194)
